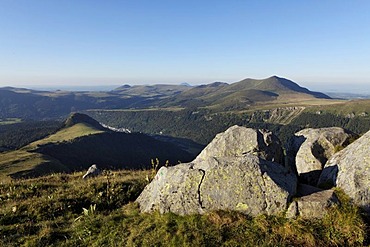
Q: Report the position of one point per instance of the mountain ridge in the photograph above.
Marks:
(216, 96)
(275, 84)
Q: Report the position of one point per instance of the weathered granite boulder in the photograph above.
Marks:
(226, 180)
(349, 170)
(173, 189)
(238, 140)
(312, 203)
(313, 147)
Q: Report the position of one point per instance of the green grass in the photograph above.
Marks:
(64, 210)
(357, 107)
(23, 163)
(67, 134)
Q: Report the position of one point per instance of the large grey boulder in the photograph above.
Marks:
(238, 140)
(234, 180)
(349, 170)
(313, 147)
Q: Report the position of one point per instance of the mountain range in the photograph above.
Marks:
(168, 122)
(218, 96)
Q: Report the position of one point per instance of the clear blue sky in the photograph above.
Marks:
(72, 42)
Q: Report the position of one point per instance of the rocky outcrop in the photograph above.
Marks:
(232, 173)
(312, 203)
(349, 170)
(237, 141)
(311, 148)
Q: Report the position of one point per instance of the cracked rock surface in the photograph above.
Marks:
(224, 179)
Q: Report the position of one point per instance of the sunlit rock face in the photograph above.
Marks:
(349, 169)
(236, 171)
(312, 148)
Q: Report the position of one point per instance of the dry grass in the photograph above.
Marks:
(49, 211)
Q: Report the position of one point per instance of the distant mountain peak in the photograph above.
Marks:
(76, 118)
(123, 87)
(218, 83)
(213, 85)
(278, 85)
(185, 84)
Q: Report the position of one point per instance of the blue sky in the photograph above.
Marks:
(319, 44)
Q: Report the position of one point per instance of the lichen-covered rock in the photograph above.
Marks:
(349, 170)
(313, 203)
(173, 189)
(313, 147)
(240, 181)
(238, 140)
(247, 184)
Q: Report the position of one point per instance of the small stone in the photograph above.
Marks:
(91, 172)
(314, 205)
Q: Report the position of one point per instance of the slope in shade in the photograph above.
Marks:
(114, 151)
(82, 142)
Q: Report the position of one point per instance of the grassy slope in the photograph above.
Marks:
(49, 211)
(23, 160)
(67, 134)
(336, 107)
(345, 107)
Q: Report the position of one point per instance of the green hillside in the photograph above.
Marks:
(27, 162)
(83, 142)
(351, 108)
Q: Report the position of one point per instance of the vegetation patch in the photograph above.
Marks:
(65, 210)
(19, 134)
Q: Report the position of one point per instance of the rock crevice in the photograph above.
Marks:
(200, 184)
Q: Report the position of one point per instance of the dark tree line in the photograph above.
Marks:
(14, 136)
(202, 126)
